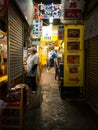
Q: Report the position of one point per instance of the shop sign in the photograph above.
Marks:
(36, 11)
(73, 9)
(37, 28)
(3, 5)
(47, 32)
(60, 32)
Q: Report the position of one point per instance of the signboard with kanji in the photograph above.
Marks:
(37, 28)
(73, 9)
(60, 32)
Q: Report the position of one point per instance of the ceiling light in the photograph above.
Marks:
(51, 20)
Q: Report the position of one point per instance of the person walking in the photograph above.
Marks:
(32, 68)
(54, 55)
(50, 61)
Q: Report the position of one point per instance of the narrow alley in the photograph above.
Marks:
(53, 33)
(58, 114)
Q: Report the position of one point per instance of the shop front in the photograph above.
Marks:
(14, 35)
(13, 26)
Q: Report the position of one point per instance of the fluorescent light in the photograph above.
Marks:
(51, 20)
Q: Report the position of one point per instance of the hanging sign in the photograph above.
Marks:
(60, 32)
(3, 5)
(36, 11)
(37, 28)
(49, 10)
(73, 9)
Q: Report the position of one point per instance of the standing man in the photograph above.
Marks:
(32, 68)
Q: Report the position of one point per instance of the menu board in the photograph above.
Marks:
(73, 55)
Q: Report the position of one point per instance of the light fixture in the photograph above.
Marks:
(51, 20)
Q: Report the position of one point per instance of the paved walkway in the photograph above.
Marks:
(57, 114)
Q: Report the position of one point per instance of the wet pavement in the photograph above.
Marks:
(55, 113)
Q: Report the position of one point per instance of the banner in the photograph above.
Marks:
(49, 10)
